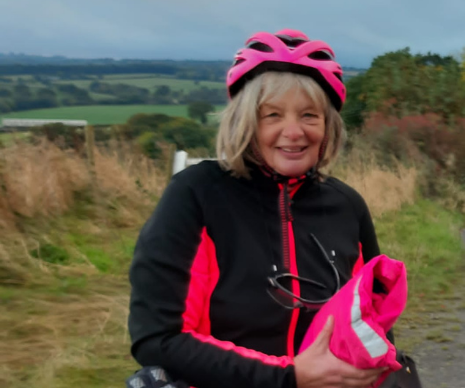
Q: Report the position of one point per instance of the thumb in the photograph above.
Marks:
(325, 334)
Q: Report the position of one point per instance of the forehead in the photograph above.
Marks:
(283, 87)
(295, 98)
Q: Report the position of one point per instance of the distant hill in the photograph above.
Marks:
(21, 64)
(25, 59)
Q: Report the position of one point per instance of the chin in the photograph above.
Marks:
(294, 170)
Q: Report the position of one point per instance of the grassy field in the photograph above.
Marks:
(109, 114)
(100, 114)
(149, 82)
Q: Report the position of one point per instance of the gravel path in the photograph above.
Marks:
(441, 357)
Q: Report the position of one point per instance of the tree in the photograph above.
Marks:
(142, 122)
(162, 91)
(22, 90)
(163, 95)
(148, 141)
(355, 106)
(75, 95)
(62, 135)
(46, 98)
(6, 106)
(5, 92)
(199, 110)
(462, 63)
(186, 134)
(401, 84)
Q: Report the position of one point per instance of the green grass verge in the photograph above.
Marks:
(65, 325)
(7, 139)
(100, 114)
(425, 236)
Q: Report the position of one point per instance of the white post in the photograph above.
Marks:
(180, 160)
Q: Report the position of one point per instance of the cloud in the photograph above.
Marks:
(208, 29)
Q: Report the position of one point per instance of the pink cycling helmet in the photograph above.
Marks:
(288, 51)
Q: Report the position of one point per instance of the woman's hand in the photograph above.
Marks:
(317, 367)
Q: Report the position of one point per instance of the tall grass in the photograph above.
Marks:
(383, 189)
(66, 237)
(42, 180)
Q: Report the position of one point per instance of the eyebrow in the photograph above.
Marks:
(268, 105)
(271, 106)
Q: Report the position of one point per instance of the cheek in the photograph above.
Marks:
(265, 137)
(316, 135)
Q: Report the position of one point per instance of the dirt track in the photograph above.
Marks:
(441, 356)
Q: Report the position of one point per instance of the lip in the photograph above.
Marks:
(292, 155)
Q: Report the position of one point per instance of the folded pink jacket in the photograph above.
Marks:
(362, 317)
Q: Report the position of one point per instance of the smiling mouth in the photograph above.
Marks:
(292, 150)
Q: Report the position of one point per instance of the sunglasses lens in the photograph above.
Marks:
(282, 298)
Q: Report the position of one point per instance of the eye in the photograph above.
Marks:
(269, 114)
(310, 114)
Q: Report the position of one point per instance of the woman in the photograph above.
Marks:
(239, 254)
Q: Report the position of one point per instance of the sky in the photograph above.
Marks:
(358, 30)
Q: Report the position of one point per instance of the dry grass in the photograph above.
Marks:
(452, 196)
(42, 180)
(57, 332)
(384, 190)
(127, 174)
(12, 271)
(64, 324)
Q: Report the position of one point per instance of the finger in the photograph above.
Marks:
(325, 334)
(353, 372)
(359, 383)
(363, 378)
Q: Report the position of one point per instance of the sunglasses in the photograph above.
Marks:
(278, 286)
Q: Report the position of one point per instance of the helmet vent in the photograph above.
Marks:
(238, 61)
(291, 42)
(321, 55)
(259, 46)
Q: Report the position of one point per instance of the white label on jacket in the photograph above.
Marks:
(374, 344)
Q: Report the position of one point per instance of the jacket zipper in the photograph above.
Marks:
(286, 216)
(289, 258)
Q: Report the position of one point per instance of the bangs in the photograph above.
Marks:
(275, 85)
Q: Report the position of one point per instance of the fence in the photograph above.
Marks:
(181, 161)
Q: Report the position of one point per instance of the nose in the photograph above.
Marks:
(292, 129)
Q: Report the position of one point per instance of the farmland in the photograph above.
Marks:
(100, 114)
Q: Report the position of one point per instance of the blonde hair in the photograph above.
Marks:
(239, 120)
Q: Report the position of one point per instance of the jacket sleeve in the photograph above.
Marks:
(159, 276)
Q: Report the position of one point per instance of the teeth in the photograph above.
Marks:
(292, 149)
